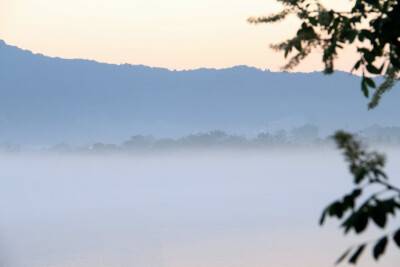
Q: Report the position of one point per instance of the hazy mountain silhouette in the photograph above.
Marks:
(47, 100)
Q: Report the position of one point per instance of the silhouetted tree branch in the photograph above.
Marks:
(374, 26)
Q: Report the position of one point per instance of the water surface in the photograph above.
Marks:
(178, 209)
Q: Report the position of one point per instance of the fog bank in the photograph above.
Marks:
(176, 209)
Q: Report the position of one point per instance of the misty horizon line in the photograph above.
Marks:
(3, 42)
(307, 135)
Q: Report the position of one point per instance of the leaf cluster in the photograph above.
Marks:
(367, 169)
(374, 25)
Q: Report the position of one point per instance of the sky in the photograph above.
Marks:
(175, 34)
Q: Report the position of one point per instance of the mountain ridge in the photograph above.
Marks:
(3, 43)
(45, 100)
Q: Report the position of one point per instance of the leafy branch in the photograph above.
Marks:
(367, 170)
(378, 249)
(374, 25)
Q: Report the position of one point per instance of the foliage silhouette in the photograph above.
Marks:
(367, 170)
(374, 25)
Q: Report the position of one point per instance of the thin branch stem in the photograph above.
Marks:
(389, 186)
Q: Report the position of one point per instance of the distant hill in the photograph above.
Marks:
(47, 100)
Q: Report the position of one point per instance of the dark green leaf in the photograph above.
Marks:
(369, 82)
(378, 215)
(356, 193)
(380, 173)
(361, 36)
(349, 222)
(370, 35)
(372, 69)
(348, 202)
(351, 36)
(355, 20)
(356, 254)
(336, 209)
(368, 55)
(344, 255)
(395, 62)
(361, 173)
(322, 219)
(313, 21)
(288, 49)
(357, 65)
(380, 247)
(396, 238)
(335, 24)
(374, 3)
(325, 18)
(364, 89)
(388, 206)
(297, 45)
(361, 222)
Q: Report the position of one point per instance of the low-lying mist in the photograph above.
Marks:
(187, 208)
